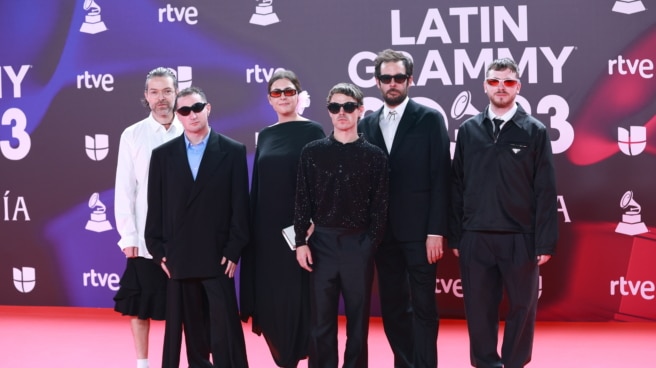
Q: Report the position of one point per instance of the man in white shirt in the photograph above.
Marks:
(142, 294)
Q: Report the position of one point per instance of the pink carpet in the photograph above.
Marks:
(87, 337)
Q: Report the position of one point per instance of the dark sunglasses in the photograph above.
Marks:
(399, 78)
(510, 83)
(349, 107)
(196, 108)
(289, 92)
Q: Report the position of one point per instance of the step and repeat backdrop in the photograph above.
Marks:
(72, 77)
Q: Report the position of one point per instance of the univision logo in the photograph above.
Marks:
(184, 75)
(96, 147)
(24, 279)
(633, 141)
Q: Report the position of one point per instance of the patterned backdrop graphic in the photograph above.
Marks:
(72, 74)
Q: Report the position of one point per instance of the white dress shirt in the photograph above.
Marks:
(389, 126)
(130, 191)
(505, 117)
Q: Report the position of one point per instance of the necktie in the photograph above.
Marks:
(391, 116)
(387, 127)
(497, 127)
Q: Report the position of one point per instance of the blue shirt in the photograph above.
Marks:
(195, 153)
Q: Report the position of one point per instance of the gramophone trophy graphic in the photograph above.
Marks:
(264, 14)
(628, 6)
(462, 106)
(98, 221)
(637, 302)
(92, 22)
(631, 223)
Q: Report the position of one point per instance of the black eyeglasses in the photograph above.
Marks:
(510, 83)
(349, 107)
(289, 92)
(398, 78)
(196, 108)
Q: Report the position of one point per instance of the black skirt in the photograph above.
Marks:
(142, 291)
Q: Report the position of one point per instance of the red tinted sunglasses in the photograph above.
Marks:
(494, 82)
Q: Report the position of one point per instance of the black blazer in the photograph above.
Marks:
(196, 223)
(420, 167)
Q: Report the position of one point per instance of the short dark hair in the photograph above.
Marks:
(503, 64)
(284, 74)
(390, 55)
(189, 91)
(347, 89)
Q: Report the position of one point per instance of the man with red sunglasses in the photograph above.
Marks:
(504, 219)
(416, 142)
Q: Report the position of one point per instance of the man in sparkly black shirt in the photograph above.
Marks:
(342, 188)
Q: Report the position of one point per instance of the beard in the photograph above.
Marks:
(395, 100)
(503, 102)
(159, 109)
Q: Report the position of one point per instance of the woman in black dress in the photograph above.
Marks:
(273, 288)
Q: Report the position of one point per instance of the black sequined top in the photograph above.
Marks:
(341, 186)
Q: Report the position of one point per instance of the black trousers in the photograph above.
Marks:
(343, 263)
(406, 284)
(206, 309)
(490, 263)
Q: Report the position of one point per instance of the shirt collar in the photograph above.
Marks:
(505, 117)
(175, 128)
(201, 143)
(398, 109)
(331, 137)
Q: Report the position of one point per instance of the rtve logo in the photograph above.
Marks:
(451, 286)
(643, 67)
(100, 279)
(90, 81)
(174, 14)
(259, 74)
(644, 289)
